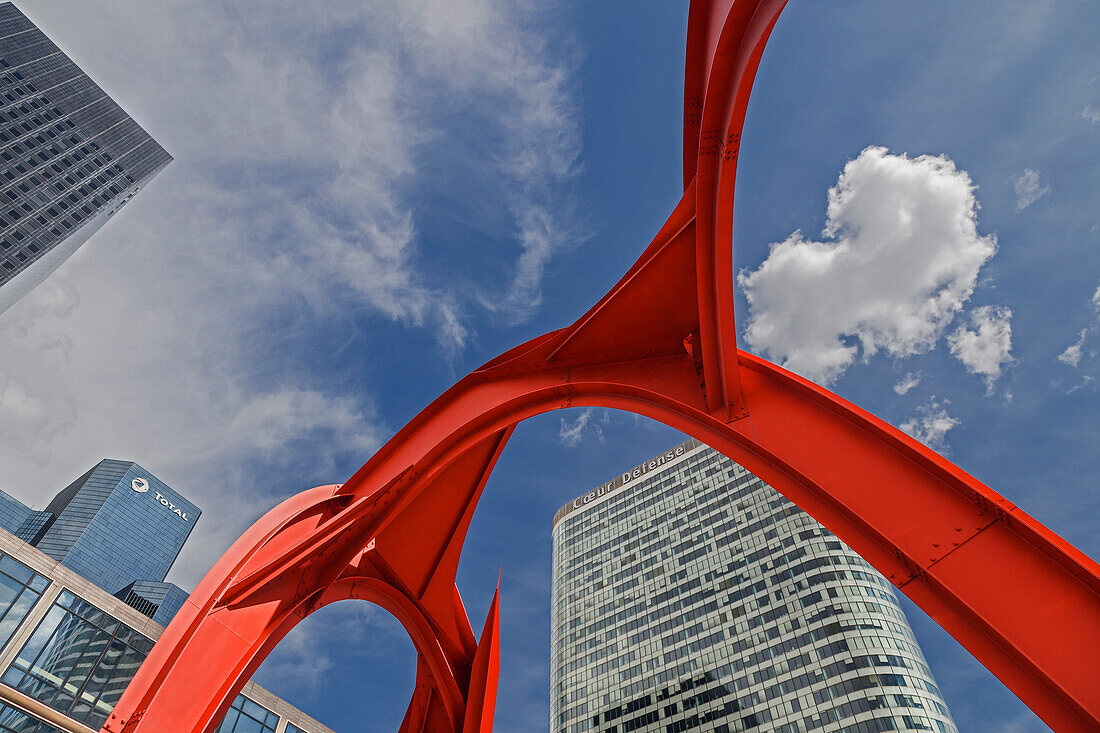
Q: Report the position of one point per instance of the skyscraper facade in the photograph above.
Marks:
(688, 594)
(70, 157)
(119, 526)
(118, 523)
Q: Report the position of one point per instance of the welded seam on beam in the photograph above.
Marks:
(921, 569)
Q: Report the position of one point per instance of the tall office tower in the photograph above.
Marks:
(688, 594)
(119, 526)
(70, 157)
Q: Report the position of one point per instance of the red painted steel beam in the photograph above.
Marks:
(660, 344)
(1023, 601)
(733, 36)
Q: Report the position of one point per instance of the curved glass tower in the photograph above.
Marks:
(688, 594)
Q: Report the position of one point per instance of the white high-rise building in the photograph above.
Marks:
(688, 594)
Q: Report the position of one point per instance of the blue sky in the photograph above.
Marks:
(369, 199)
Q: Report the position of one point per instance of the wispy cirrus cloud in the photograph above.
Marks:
(907, 383)
(303, 134)
(572, 432)
(1029, 189)
(1071, 357)
(1076, 351)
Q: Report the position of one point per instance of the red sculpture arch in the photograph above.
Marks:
(661, 343)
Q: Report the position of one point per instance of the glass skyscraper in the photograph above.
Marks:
(688, 594)
(70, 157)
(118, 523)
(119, 526)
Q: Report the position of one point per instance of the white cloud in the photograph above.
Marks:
(572, 432)
(1072, 355)
(479, 49)
(1028, 189)
(1090, 114)
(902, 257)
(931, 424)
(907, 383)
(302, 132)
(984, 348)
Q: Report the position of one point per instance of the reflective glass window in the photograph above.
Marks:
(20, 589)
(16, 721)
(246, 716)
(78, 661)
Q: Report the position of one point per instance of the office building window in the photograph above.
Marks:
(246, 716)
(291, 728)
(78, 661)
(13, 720)
(20, 589)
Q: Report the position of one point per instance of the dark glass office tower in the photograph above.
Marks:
(116, 524)
(22, 521)
(119, 526)
(70, 157)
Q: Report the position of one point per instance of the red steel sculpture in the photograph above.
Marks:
(662, 344)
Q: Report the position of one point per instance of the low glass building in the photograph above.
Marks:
(688, 594)
(68, 649)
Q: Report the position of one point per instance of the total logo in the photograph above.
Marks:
(141, 486)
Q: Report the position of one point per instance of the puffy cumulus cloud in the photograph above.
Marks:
(901, 256)
(303, 133)
(985, 346)
(931, 424)
(907, 383)
(1028, 189)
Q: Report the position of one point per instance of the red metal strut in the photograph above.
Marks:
(662, 344)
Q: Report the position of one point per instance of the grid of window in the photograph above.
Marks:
(33, 526)
(697, 597)
(12, 512)
(245, 716)
(20, 589)
(19, 519)
(113, 535)
(78, 661)
(158, 600)
(69, 155)
(13, 720)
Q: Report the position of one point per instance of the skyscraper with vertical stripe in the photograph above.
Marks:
(70, 157)
(687, 594)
